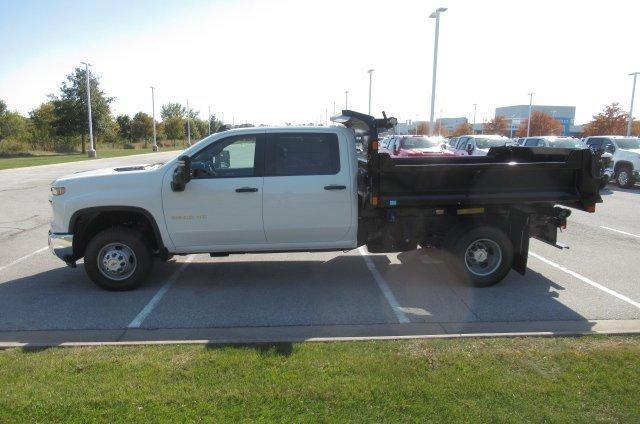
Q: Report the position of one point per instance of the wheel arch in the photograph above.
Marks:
(86, 223)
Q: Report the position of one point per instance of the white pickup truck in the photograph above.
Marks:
(308, 189)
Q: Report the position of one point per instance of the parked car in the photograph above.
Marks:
(478, 145)
(626, 156)
(305, 189)
(553, 141)
(412, 145)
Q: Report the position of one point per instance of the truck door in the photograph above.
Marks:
(222, 204)
(309, 195)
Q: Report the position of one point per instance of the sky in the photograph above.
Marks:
(277, 61)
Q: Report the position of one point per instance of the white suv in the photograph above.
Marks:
(626, 156)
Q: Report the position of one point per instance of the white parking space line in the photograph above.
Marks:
(588, 281)
(2, 268)
(384, 287)
(620, 231)
(144, 313)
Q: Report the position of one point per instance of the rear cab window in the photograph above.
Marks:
(291, 154)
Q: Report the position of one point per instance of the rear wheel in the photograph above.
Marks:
(118, 259)
(625, 177)
(482, 256)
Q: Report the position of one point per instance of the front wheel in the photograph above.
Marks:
(625, 178)
(118, 259)
(481, 256)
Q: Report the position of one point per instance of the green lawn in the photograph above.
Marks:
(587, 379)
(47, 159)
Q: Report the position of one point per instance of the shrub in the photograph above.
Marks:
(128, 146)
(13, 147)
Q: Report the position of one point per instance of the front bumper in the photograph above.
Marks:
(61, 245)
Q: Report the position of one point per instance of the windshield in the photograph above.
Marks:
(419, 143)
(485, 143)
(628, 143)
(567, 144)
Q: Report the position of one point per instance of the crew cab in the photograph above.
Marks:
(309, 189)
(478, 145)
(412, 145)
(626, 156)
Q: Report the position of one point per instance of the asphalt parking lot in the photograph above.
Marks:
(593, 286)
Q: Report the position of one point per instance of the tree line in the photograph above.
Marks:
(60, 124)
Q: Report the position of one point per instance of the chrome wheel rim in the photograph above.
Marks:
(483, 257)
(116, 261)
(623, 178)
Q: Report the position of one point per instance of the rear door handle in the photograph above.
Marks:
(246, 190)
(335, 187)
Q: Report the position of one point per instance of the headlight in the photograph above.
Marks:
(58, 191)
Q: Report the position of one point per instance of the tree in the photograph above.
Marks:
(422, 128)
(42, 130)
(216, 124)
(611, 121)
(70, 107)
(174, 128)
(124, 127)
(12, 124)
(463, 129)
(541, 124)
(142, 127)
(497, 125)
(173, 110)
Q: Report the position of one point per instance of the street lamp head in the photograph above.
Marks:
(437, 12)
(370, 70)
(634, 73)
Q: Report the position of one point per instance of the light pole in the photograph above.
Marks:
(346, 99)
(92, 151)
(188, 125)
(435, 15)
(633, 93)
(370, 71)
(153, 113)
(511, 126)
(473, 128)
(529, 120)
(334, 107)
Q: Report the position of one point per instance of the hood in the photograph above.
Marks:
(104, 172)
(632, 151)
(435, 150)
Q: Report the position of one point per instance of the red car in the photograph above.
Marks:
(412, 146)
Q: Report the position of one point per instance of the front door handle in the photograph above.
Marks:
(246, 190)
(335, 187)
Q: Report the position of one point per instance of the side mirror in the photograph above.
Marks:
(469, 149)
(182, 174)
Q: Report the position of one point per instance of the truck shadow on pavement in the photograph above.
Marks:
(610, 189)
(314, 298)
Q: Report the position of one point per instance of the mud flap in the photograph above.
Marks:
(519, 235)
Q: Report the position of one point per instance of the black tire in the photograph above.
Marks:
(114, 240)
(494, 243)
(624, 177)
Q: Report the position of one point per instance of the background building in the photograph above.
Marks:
(449, 125)
(515, 115)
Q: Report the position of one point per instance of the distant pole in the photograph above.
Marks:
(326, 116)
(346, 99)
(511, 126)
(188, 125)
(370, 71)
(529, 119)
(473, 128)
(209, 107)
(633, 94)
(92, 151)
(153, 113)
(435, 15)
(334, 107)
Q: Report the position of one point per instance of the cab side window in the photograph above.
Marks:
(303, 154)
(227, 158)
